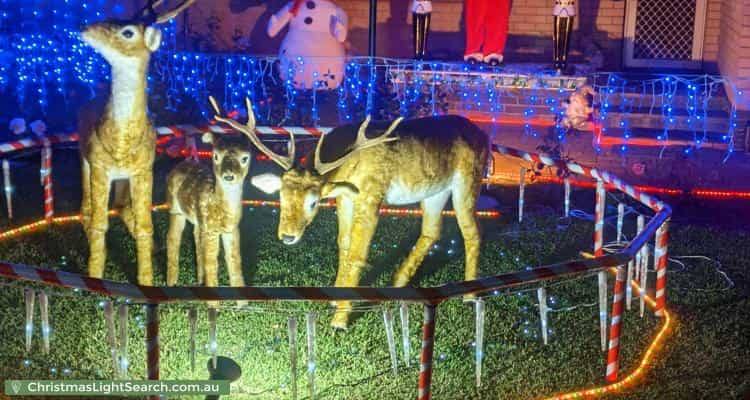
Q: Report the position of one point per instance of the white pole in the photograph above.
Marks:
(391, 339)
(311, 352)
(521, 187)
(213, 345)
(479, 338)
(620, 218)
(404, 314)
(566, 181)
(293, 353)
(543, 310)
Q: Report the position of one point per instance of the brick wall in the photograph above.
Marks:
(734, 45)
(711, 36)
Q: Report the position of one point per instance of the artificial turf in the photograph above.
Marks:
(705, 355)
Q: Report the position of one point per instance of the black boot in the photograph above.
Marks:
(420, 30)
(563, 28)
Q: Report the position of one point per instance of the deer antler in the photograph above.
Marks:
(249, 130)
(150, 16)
(360, 144)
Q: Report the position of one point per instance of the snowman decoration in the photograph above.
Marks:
(312, 52)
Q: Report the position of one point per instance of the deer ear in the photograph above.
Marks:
(208, 138)
(336, 189)
(268, 183)
(152, 38)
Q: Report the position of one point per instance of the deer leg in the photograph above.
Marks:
(140, 198)
(98, 222)
(124, 204)
(210, 243)
(432, 208)
(174, 239)
(233, 260)
(363, 228)
(345, 212)
(464, 203)
(85, 195)
(199, 255)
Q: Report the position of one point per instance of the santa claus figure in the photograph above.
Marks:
(486, 30)
(312, 52)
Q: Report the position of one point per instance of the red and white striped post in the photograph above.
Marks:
(152, 344)
(618, 300)
(49, 209)
(601, 198)
(428, 346)
(660, 260)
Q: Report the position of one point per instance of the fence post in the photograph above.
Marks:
(660, 260)
(613, 354)
(152, 344)
(428, 345)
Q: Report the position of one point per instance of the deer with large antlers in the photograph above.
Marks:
(117, 140)
(422, 161)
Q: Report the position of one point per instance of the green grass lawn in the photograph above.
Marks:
(705, 355)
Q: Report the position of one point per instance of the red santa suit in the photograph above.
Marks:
(486, 30)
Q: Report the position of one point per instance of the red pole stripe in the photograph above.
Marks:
(618, 300)
(428, 347)
(660, 253)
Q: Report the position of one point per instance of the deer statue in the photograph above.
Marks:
(423, 160)
(210, 197)
(117, 140)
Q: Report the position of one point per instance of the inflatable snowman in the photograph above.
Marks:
(312, 53)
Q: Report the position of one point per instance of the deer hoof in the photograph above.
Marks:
(340, 321)
(470, 298)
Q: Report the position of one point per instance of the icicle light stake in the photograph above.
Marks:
(644, 271)
(388, 321)
(311, 352)
(122, 319)
(521, 189)
(44, 310)
(404, 315)
(293, 354)
(479, 339)
(628, 286)
(541, 294)
(28, 295)
(598, 252)
(109, 321)
(8, 188)
(639, 228)
(620, 218)
(566, 182)
(212, 344)
(192, 319)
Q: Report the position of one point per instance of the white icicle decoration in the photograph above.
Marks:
(8, 188)
(629, 286)
(566, 182)
(293, 354)
(311, 352)
(213, 346)
(44, 311)
(521, 190)
(192, 319)
(404, 315)
(479, 339)
(390, 336)
(122, 314)
(645, 255)
(620, 218)
(109, 321)
(29, 295)
(541, 294)
(602, 278)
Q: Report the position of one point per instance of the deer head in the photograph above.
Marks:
(230, 157)
(302, 188)
(123, 41)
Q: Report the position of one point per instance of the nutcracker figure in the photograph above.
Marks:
(486, 30)
(421, 10)
(564, 15)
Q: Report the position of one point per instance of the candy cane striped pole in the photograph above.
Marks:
(601, 196)
(613, 355)
(49, 209)
(660, 260)
(152, 343)
(428, 346)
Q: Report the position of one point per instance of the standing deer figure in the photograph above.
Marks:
(423, 160)
(210, 197)
(117, 140)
